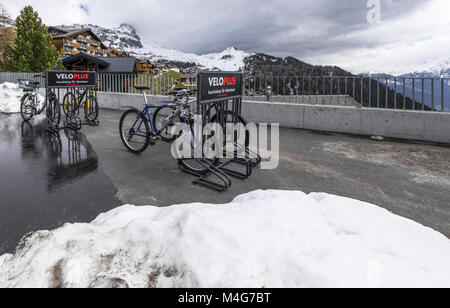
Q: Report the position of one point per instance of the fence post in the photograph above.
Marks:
(432, 94)
(395, 93)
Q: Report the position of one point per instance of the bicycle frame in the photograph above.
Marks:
(36, 102)
(79, 97)
(146, 112)
(34, 96)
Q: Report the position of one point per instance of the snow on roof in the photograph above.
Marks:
(261, 239)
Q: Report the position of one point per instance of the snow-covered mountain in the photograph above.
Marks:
(425, 69)
(125, 38)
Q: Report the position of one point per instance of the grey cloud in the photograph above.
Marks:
(208, 26)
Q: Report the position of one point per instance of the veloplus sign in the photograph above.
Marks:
(220, 86)
(71, 79)
(219, 95)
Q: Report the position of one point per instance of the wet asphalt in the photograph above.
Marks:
(48, 180)
(408, 179)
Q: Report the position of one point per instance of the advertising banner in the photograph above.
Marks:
(71, 79)
(219, 86)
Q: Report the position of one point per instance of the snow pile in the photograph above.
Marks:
(261, 239)
(10, 95)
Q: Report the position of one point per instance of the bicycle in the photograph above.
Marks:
(182, 94)
(72, 104)
(137, 129)
(29, 103)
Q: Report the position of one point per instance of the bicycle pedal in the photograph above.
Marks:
(154, 139)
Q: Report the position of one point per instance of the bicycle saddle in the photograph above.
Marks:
(141, 88)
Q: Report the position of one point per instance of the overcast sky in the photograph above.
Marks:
(411, 35)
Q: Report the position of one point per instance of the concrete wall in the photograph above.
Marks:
(117, 101)
(335, 100)
(412, 125)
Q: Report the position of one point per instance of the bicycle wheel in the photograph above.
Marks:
(190, 163)
(69, 104)
(54, 110)
(159, 118)
(26, 107)
(134, 131)
(241, 120)
(91, 109)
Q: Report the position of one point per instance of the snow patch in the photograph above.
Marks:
(10, 95)
(261, 239)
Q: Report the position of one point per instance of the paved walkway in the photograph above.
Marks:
(412, 180)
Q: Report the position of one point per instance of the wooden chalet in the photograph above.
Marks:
(78, 41)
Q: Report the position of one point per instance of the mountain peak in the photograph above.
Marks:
(128, 27)
(232, 48)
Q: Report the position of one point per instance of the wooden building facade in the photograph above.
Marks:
(78, 41)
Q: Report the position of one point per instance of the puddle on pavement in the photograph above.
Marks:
(47, 180)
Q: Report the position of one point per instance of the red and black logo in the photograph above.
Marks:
(217, 85)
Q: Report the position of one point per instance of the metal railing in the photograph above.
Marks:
(119, 83)
(158, 84)
(407, 93)
(13, 77)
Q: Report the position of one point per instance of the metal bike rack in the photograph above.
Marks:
(62, 82)
(219, 100)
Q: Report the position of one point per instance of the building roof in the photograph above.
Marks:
(73, 32)
(82, 56)
(122, 65)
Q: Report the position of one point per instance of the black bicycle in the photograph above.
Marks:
(29, 103)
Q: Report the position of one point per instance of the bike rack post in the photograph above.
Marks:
(65, 82)
(219, 101)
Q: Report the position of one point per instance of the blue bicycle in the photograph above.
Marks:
(138, 129)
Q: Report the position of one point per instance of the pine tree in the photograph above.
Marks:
(33, 50)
